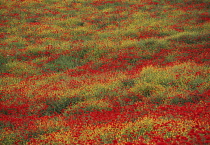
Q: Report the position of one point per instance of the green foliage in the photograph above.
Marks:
(196, 82)
(181, 101)
(64, 62)
(189, 37)
(79, 35)
(82, 53)
(105, 35)
(157, 76)
(8, 138)
(186, 76)
(88, 106)
(45, 127)
(32, 20)
(59, 104)
(19, 45)
(101, 93)
(146, 89)
(161, 84)
(138, 128)
(3, 62)
(51, 1)
(187, 2)
(130, 99)
(71, 22)
(20, 68)
(97, 53)
(131, 33)
(152, 44)
(133, 61)
(146, 56)
(108, 5)
(128, 82)
(9, 80)
(157, 100)
(128, 43)
(170, 57)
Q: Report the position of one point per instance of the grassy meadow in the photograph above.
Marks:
(114, 72)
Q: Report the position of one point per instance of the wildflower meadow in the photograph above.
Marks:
(114, 72)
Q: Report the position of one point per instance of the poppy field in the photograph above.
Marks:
(115, 72)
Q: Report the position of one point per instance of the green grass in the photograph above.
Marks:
(60, 104)
(64, 62)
